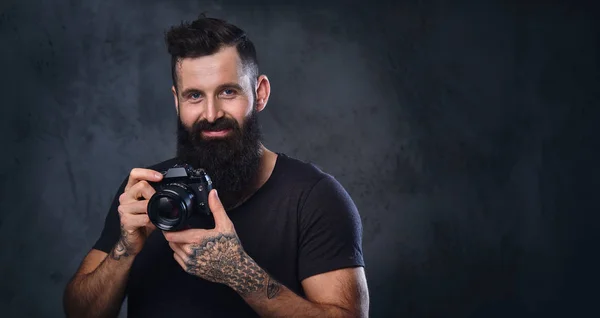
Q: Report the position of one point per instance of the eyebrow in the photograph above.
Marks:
(220, 87)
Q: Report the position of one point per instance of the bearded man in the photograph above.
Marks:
(286, 238)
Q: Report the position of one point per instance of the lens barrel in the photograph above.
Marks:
(170, 207)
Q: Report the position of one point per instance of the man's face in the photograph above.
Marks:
(213, 87)
(217, 119)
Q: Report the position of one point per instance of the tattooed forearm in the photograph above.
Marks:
(222, 259)
(121, 249)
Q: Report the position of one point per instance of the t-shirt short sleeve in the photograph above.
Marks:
(330, 230)
(112, 224)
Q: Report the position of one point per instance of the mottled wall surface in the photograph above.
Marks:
(464, 133)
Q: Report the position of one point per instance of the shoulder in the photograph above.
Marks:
(299, 167)
(301, 172)
(317, 184)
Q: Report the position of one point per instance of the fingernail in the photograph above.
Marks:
(216, 194)
(158, 175)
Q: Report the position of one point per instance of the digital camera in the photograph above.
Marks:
(181, 198)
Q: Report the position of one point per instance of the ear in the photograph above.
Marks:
(263, 91)
(176, 99)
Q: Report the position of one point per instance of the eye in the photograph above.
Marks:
(229, 92)
(195, 95)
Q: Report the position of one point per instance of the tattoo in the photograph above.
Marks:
(273, 288)
(122, 247)
(221, 259)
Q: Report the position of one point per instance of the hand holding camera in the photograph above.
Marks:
(194, 222)
(135, 224)
(216, 254)
(172, 200)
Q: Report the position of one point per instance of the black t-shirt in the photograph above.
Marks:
(300, 223)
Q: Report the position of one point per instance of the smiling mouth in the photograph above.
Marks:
(216, 133)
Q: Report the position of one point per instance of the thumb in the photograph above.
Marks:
(217, 209)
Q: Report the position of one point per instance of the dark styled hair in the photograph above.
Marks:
(205, 36)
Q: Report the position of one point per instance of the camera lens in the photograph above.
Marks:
(170, 207)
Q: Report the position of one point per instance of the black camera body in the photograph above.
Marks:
(181, 198)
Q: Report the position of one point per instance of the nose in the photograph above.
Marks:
(212, 111)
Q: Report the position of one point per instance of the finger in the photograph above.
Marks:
(186, 236)
(142, 189)
(138, 174)
(135, 207)
(217, 209)
(180, 261)
(134, 221)
(179, 250)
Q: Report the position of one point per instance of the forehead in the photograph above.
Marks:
(212, 70)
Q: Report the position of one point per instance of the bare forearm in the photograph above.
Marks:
(101, 292)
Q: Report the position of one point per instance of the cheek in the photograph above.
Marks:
(250, 104)
(238, 109)
(188, 116)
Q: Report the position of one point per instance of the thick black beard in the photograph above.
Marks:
(231, 162)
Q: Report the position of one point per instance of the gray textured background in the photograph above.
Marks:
(465, 134)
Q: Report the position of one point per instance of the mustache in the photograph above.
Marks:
(219, 124)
